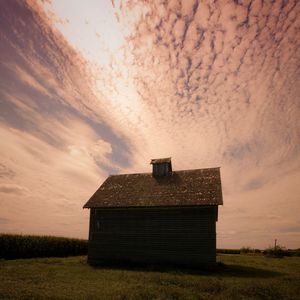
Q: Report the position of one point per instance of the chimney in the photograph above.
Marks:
(161, 167)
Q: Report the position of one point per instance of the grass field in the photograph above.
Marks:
(236, 277)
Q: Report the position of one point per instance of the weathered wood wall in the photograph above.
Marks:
(161, 169)
(179, 235)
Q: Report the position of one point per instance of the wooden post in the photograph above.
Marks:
(275, 244)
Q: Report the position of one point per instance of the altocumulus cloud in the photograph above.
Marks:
(218, 83)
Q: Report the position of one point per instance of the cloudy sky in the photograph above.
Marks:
(91, 88)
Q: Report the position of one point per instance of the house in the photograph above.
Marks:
(163, 217)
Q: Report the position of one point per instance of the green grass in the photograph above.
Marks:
(236, 277)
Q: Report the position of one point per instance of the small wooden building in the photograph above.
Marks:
(160, 217)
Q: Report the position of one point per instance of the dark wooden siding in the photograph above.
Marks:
(161, 169)
(171, 235)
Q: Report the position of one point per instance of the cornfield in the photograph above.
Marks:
(29, 246)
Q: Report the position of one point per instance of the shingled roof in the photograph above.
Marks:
(182, 188)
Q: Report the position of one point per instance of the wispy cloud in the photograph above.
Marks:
(12, 188)
(56, 138)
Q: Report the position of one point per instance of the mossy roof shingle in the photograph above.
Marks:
(182, 188)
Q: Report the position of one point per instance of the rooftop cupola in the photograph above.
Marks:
(161, 166)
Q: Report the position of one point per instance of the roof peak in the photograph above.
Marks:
(177, 171)
(160, 160)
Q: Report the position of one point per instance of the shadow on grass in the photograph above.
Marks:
(229, 270)
(220, 269)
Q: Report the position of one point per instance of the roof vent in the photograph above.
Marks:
(161, 166)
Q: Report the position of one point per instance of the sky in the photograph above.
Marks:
(92, 88)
